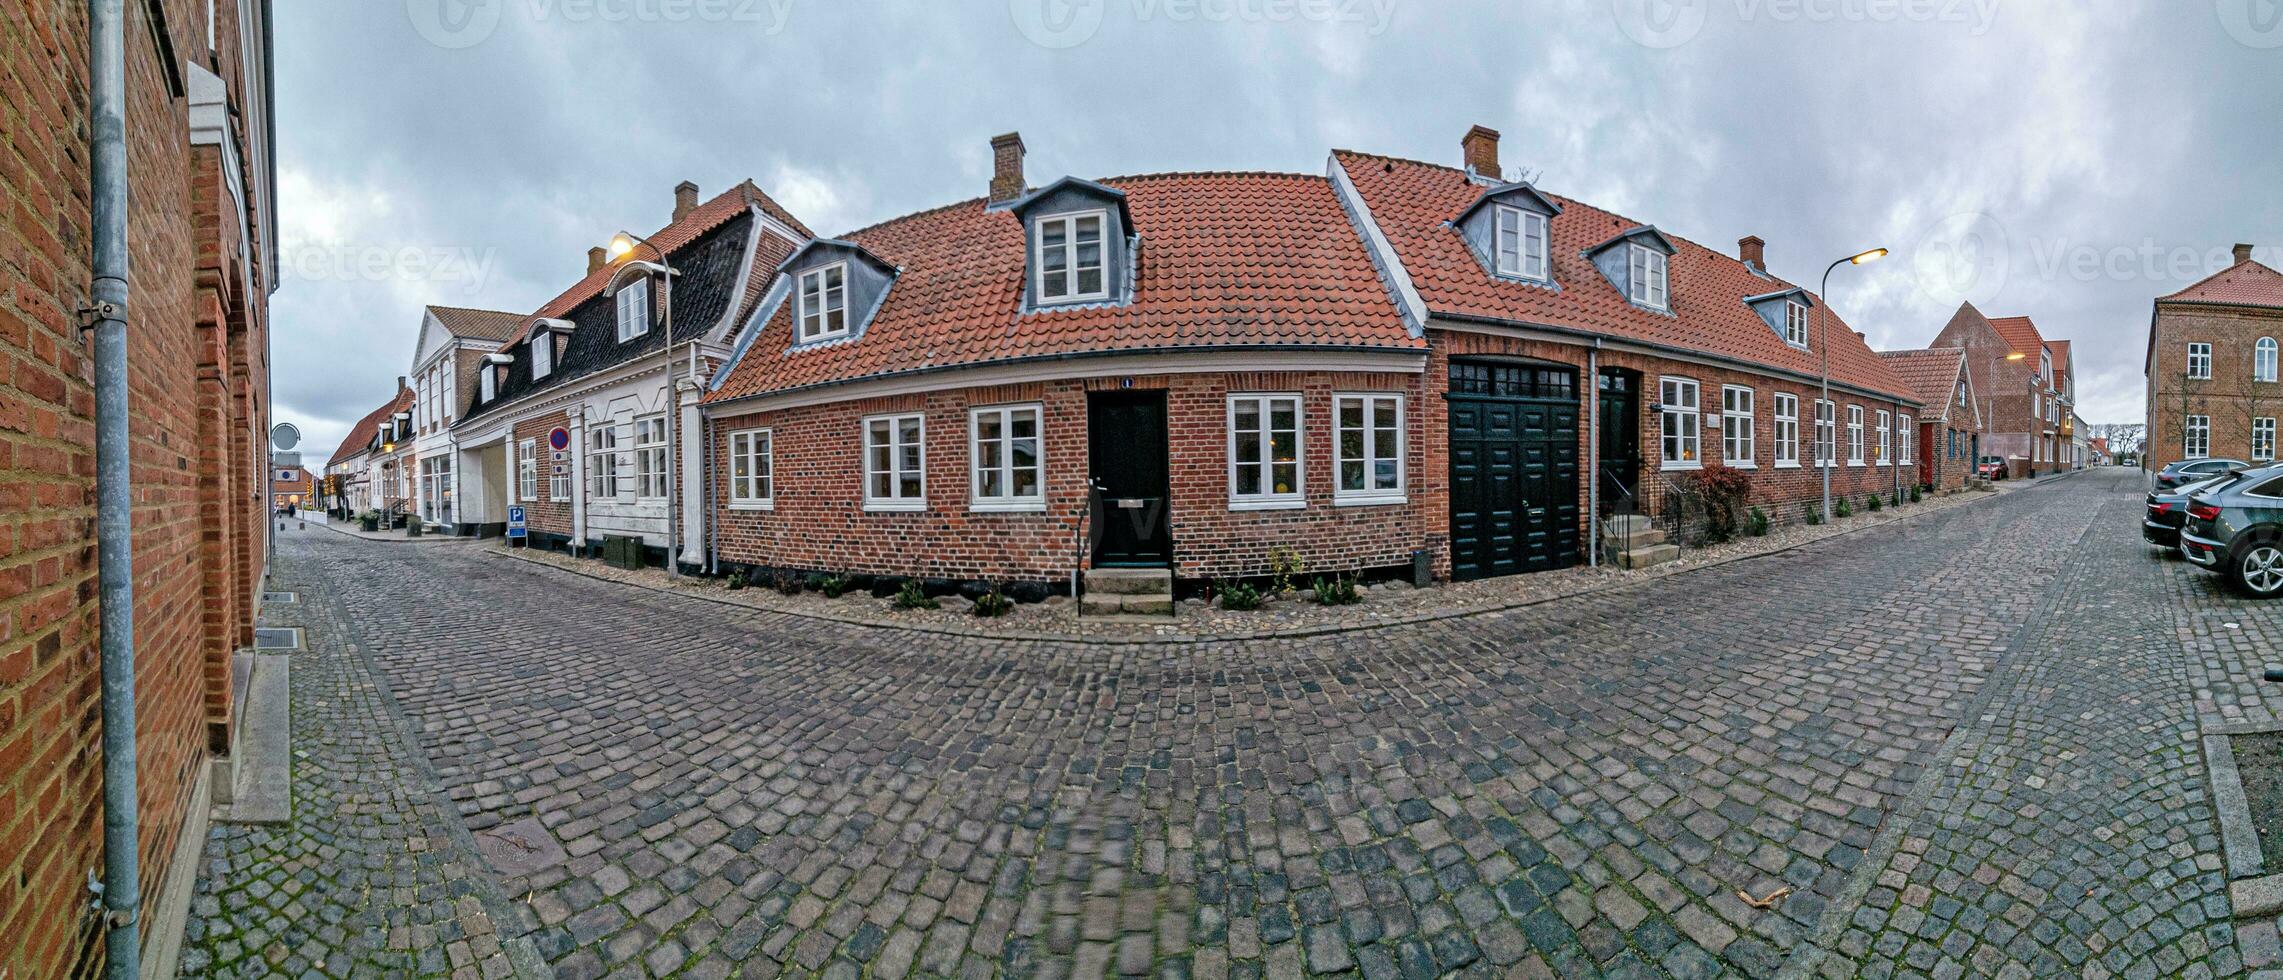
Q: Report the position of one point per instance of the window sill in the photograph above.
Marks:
(1269, 503)
(1854, 464)
(1786, 466)
(1669, 467)
(1008, 507)
(752, 505)
(895, 507)
(1743, 466)
(1370, 500)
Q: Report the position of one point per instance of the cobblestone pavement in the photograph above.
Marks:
(1850, 757)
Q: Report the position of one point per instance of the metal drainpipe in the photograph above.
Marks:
(1593, 453)
(114, 493)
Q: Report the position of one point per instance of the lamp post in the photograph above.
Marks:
(1826, 458)
(621, 245)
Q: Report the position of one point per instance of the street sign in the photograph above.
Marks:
(284, 436)
(559, 440)
(515, 526)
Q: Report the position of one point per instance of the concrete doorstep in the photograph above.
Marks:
(259, 775)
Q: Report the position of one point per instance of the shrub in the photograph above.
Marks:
(1915, 493)
(833, 586)
(737, 580)
(1814, 512)
(993, 603)
(1723, 489)
(788, 583)
(913, 596)
(1873, 502)
(1284, 562)
(1339, 591)
(1841, 508)
(1239, 596)
(1756, 523)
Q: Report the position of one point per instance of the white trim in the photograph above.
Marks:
(1005, 503)
(1693, 412)
(801, 311)
(1370, 495)
(1886, 438)
(1855, 435)
(2264, 360)
(767, 501)
(1796, 310)
(1645, 268)
(1523, 259)
(1751, 417)
(2207, 356)
(1070, 266)
(642, 450)
(623, 297)
(1775, 430)
(527, 471)
(1268, 498)
(895, 502)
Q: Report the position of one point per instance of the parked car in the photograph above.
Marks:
(1991, 468)
(2192, 470)
(2235, 528)
(2167, 511)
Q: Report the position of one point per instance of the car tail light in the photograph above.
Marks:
(2203, 512)
(2162, 507)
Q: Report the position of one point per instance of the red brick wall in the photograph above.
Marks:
(544, 515)
(2229, 396)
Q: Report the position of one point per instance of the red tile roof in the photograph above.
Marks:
(2245, 283)
(1412, 202)
(1932, 374)
(1226, 260)
(361, 434)
(2018, 333)
(2060, 351)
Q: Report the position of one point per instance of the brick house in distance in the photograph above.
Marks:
(1388, 366)
(2025, 391)
(2212, 370)
(291, 487)
(202, 249)
(1950, 415)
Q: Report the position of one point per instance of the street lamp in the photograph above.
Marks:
(622, 245)
(1825, 459)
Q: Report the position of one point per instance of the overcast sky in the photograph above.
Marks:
(2067, 160)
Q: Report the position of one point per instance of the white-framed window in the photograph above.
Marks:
(1680, 421)
(1367, 449)
(752, 470)
(2263, 439)
(1906, 439)
(895, 467)
(527, 470)
(1070, 257)
(2263, 359)
(2199, 361)
(1648, 277)
(604, 479)
(1787, 429)
(542, 353)
(1521, 243)
(1826, 433)
(824, 302)
(1886, 438)
(2196, 441)
(1738, 443)
(650, 457)
(1854, 435)
(1264, 452)
(488, 381)
(1795, 324)
(634, 309)
(1006, 447)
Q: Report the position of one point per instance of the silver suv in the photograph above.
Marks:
(2235, 528)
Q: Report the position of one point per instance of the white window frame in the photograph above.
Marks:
(1649, 277)
(652, 479)
(1070, 268)
(605, 478)
(1739, 411)
(1372, 493)
(1680, 426)
(1006, 501)
(1886, 438)
(489, 382)
(896, 500)
(756, 487)
(2264, 354)
(2196, 437)
(2263, 439)
(1523, 224)
(2200, 362)
(1854, 435)
(1795, 324)
(1786, 412)
(542, 353)
(527, 470)
(812, 321)
(1826, 432)
(634, 309)
(1906, 439)
(1264, 404)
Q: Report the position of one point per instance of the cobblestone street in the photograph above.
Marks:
(1962, 744)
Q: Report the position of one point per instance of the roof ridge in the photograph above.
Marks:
(2271, 270)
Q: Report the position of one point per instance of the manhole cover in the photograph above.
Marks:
(520, 848)
(282, 598)
(277, 638)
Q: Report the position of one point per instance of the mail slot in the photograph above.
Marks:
(1131, 503)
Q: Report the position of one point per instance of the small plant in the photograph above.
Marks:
(1915, 494)
(737, 581)
(788, 583)
(1873, 503)
(1756, 523)
(1284, 562)
(913, 596)
(1841, 508)
(370, 522)
(833, 586)
(1814, 512)
(1723, 489)
(993, 603)
(1339, 591)
(1240, 597)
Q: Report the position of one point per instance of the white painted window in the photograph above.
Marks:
(1826, 433)
(489, 383)
(1680, 422)
(634, 309)
(2263, 359)
(1906, 436)
(1070, 257)
(650, 457)
(1367, 449)
(2263, 439)
(752, 470)
(1886, 437)
(1795, 324)
(1787, 429)
(1006, 445)
(527, 470)
(895, 468)
(1264, 452)
(1738, 442)
(603, 476)
(2199, 360)
(1648, 277)
(542, 353)
(2197, 441)
(1854, 435)
(824, 303)
(1521, 243)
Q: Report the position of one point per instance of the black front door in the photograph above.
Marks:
(1126, 445)
(1620, 446)
(1514, 444)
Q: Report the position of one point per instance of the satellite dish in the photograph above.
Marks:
(283, 436)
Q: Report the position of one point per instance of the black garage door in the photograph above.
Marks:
(1514, 439)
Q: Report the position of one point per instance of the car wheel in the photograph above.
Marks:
(2259, 569)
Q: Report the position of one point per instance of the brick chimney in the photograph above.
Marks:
(2242, 253)
(1753, 251)
(596, 258)
(1007, 167)
(1481, 146)
(685, 199)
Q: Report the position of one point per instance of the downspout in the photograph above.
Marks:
(1593, 453)
(122, 889)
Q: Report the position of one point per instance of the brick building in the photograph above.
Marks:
(2212, 367)
(1392, 363)
(1950, 416)
(291, 486)
(202, 251)
(2026, 384)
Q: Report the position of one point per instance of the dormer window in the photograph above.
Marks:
(1521, 243)
(489, 384)
(1795, 325)
(1648, 277)
(542, 353)
(824, 303)
(634, 309)
(1069, 266)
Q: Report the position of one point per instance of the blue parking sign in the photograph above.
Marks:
(515, 528)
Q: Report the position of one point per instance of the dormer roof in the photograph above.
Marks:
(1794, 294)
(1111, 195)
(1507, 192)
(1643, 234)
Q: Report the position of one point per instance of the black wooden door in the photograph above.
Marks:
(1126, 448)
(1620, 444)
(1513, 452)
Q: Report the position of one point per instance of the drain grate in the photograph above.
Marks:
(277, 638)
(281, 598)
